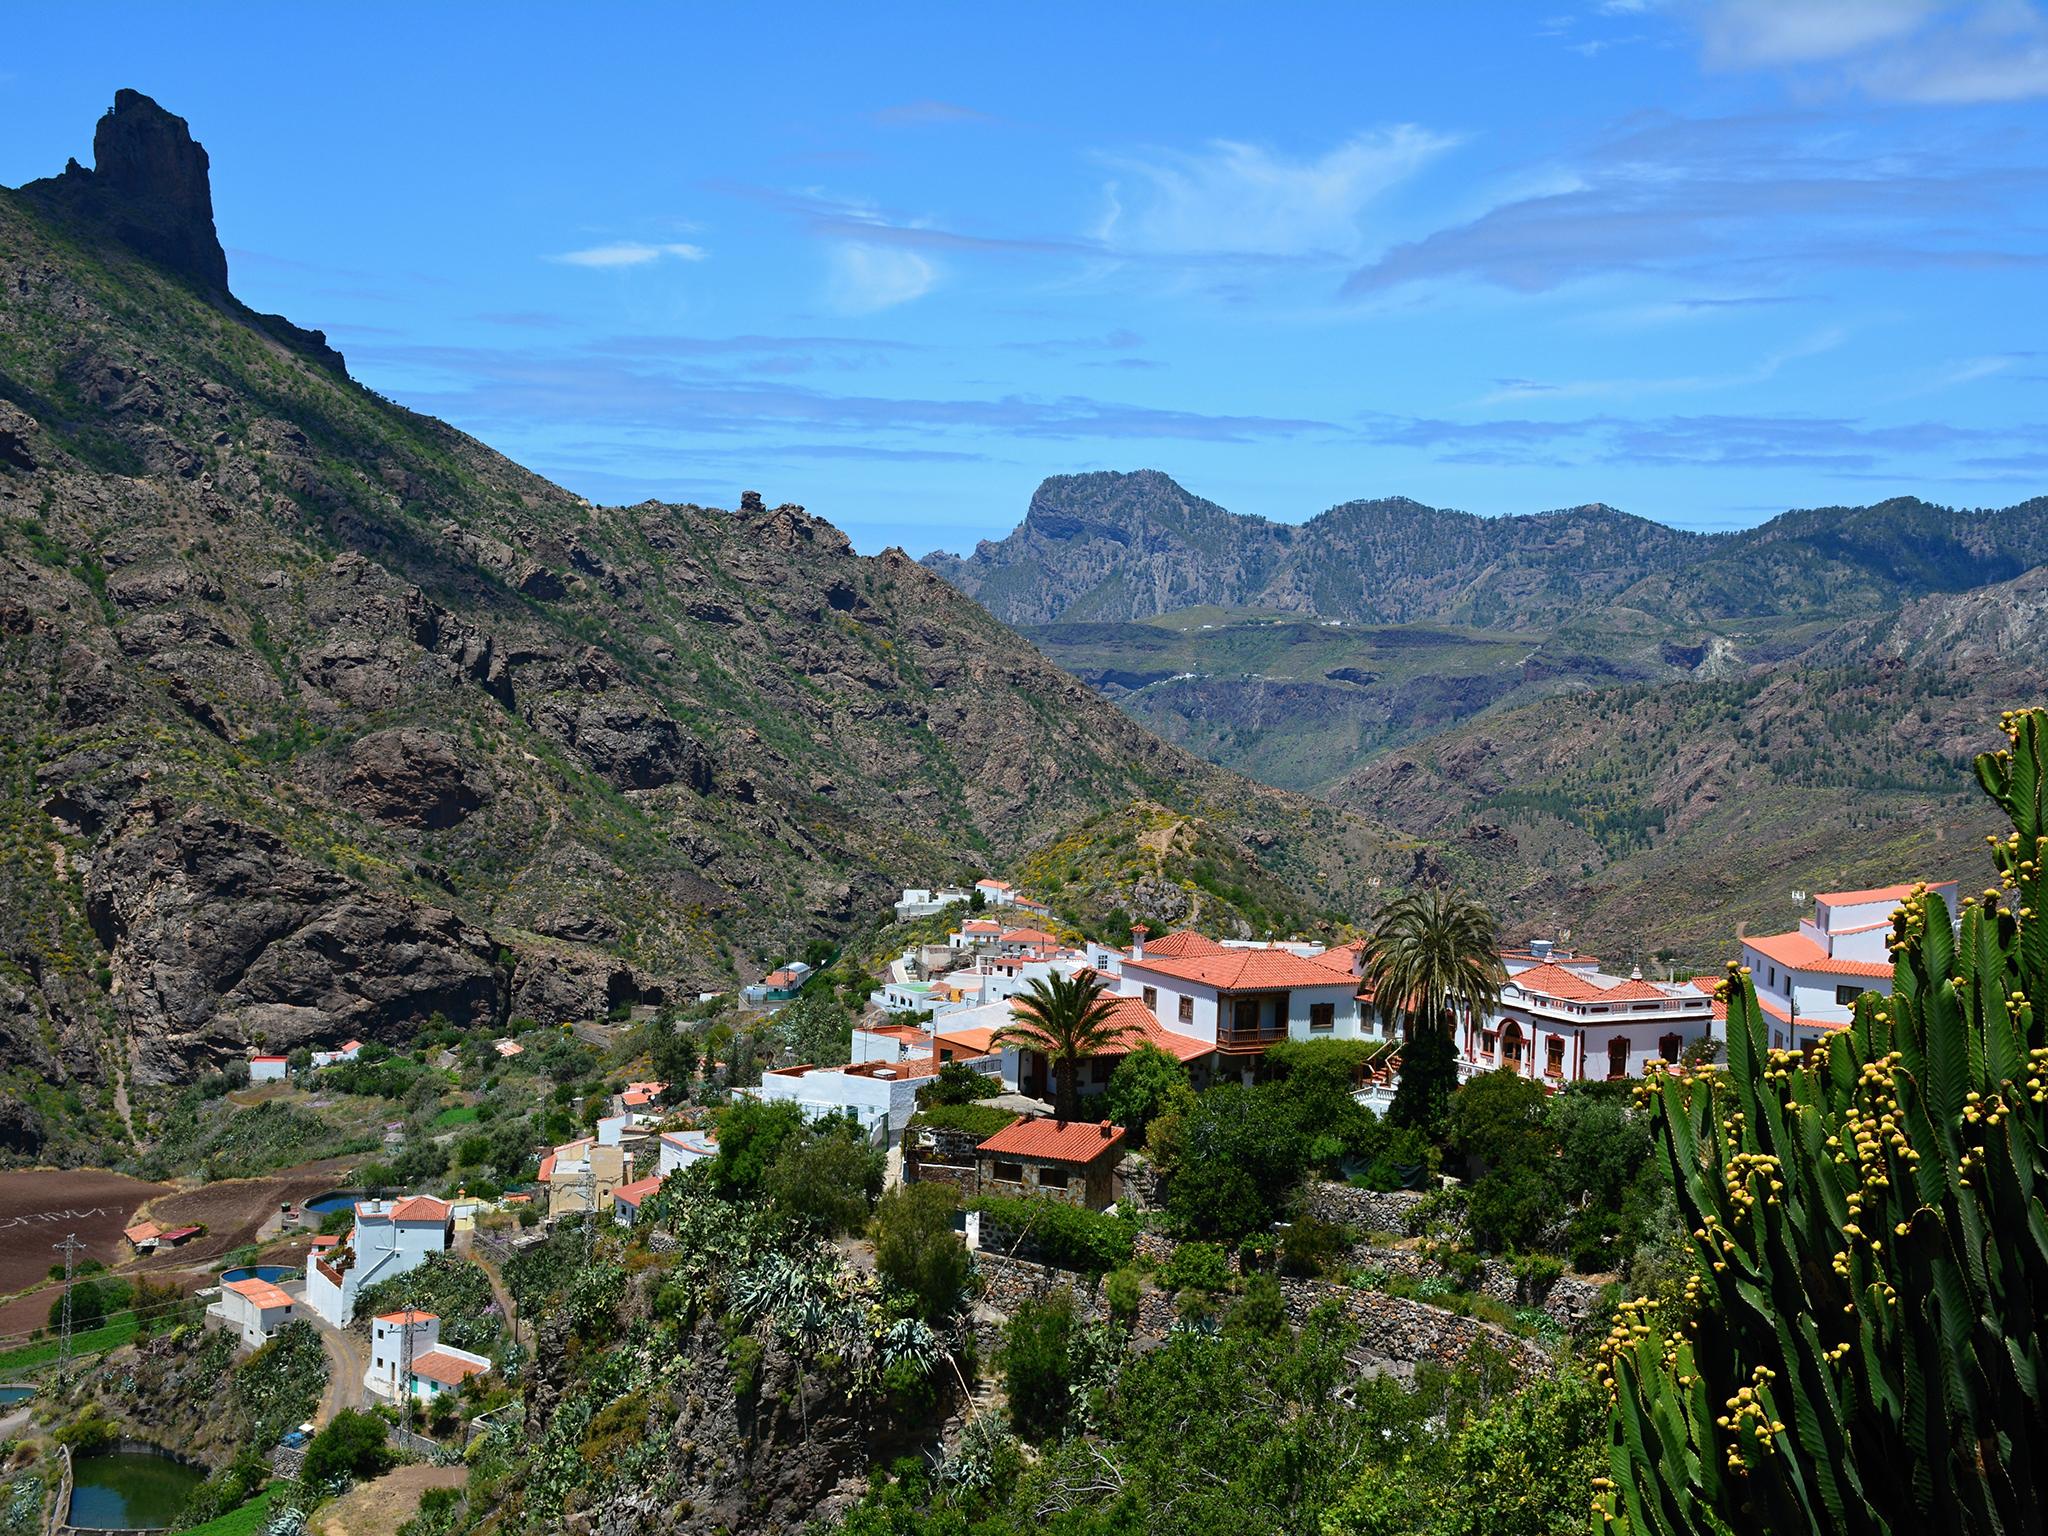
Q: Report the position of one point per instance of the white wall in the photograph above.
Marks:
(388, 1352)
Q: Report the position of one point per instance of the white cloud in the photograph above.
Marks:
(1938, 52)
(1743, 33)
(630, 253)
(1244, 199)
(867, 277)
(1577, 389)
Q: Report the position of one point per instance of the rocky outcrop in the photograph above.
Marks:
(221, 937)
(558, 984)
(148, 188)
(408, 777)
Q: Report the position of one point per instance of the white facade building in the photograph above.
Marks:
(253, 1308)
(390, 1237)
(684, 1149)
(396, 1340)
(880, 1096)
(1808, 980)
(1243, 1000)
(919, 901)
(1564, 1020)
(267, 1069)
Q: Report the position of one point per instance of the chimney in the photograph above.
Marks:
(1105, 1130)
(1138, 932)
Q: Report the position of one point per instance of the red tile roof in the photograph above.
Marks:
(1181, 944)
(1859, 898)
(1242, 970)
(1797, 952)
(414, 1316)
(177, 1234)
(449, 1370)
(638, 1190)
(261, 1293)
(1138, 1026)
(969, 1042)
(270, 1058)
(1059, 1141)
(1548, 980)
(1028, 936)
(327, 1240)
(420, 1208)
(143, 1232)
(1636, 988)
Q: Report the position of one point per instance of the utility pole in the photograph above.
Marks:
(71, 1248)
(405, 1362)
(590, 1198)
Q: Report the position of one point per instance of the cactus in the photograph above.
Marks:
(1867, 1328)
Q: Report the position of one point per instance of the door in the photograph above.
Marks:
(1511, 1046)
(1617, 1056)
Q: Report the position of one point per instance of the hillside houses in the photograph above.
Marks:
(1808, 980)
(390, 1237)
(1564, 1020)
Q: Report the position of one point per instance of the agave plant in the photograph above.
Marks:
(1868, 1337)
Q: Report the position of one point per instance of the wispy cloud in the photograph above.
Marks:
(928, 111)
(866, 277)
(1250, 200)
(1946, 52)
(1738, 199)
(1695, 383)
(630, 253)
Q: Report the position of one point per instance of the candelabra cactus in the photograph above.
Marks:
(1866, 1345)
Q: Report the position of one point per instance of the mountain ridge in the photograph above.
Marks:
(323, 717)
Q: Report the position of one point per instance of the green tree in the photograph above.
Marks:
(817, 1030)
(88, 1306)
(827, 1178)
(957, 1083)
(917, 1250)
(1144, 1083)
(352, 1445)
(1036, 1360)
(1498, 1125)
(751, 1135)
(1866, 1349)
(1432, 959)
(1240, 1155)
(673, 1054)
(1068, 1019)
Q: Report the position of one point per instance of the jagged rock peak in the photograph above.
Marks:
(149, 187)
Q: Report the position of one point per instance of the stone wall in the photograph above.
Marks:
(1569, 1299)
(1395, 1335)
(1366, 1210)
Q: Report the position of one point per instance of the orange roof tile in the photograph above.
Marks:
(1181, 944)
(1797, 952)
(971, 1042)
(638, 1190)
(1060, 1141)
(143, 1232)
(420, 1208)
(1859, 898)
(412, 1316)
(1636, 988)
(1138, 1026)
(449, 1370)
(1549, 980)
(1242, 970)
(1029, 936)
(260, 1293)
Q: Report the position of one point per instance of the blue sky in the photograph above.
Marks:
(1700, 261)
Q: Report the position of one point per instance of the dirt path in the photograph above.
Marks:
(381, 1506)
(478, 1255)
(347, 1358)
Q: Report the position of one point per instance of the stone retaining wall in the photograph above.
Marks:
(1366, 1210)
(1569, 1299)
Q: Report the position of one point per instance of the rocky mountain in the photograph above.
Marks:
(1112, 546)
(321, 718)
(1661, 818)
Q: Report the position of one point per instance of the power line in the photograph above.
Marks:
(71, 1248)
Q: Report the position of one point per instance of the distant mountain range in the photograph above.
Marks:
(1646, 735)
(1112, 546)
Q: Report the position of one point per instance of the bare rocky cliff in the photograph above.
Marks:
(320, 718)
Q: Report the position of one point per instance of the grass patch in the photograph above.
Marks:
(111, 1334)
(454, 1115)
(244, 1521)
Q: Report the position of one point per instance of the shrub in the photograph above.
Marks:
(1121, 1290)
(1035, 1361)
(1197, 1267)
(352, 1445)
(1261, 1310)
(1144, 1083)
(977, 1120)
(957, 1083)
(1310, 1245)
(826, 1178)
(917, 1250)
(1062, 1235)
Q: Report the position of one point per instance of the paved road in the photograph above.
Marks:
(347, 1358)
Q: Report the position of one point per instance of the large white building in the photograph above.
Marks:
(1242, 1000)
(389, 1238)
(1807, 981)
(253, 1308)
(1564, 1020)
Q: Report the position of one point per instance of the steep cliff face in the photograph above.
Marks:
(320, 718)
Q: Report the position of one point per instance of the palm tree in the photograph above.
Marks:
(1432, 957)
(1067, 1018)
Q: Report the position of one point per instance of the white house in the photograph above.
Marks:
(975, 933)
(442, 1370)
(880, 1096)
(1807, 980)
(347, 1051)
(1240, 1001)
(627, 1199)
(904, 997)
(996, 893)
(684, 1149)
(390, 1237)
(920, 902)
(888, 1042)
(267, 1069)
(396, 1339)
(1564, 1020)
(253, 1308)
